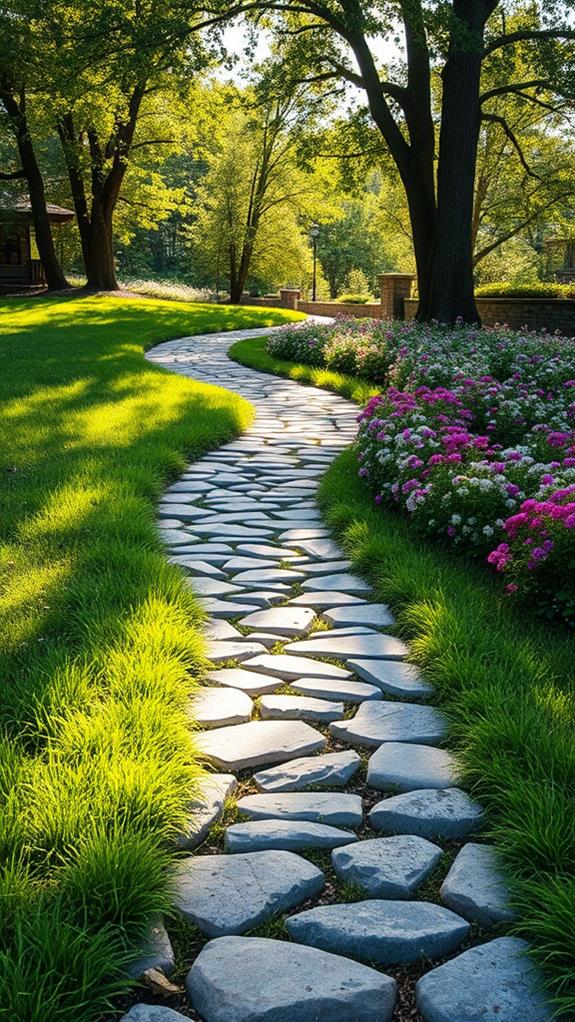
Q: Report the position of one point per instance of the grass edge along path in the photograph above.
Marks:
(504, 681)
(99, 636)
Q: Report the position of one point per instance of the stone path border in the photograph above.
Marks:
(306, 680)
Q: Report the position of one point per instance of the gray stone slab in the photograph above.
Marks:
(221, 707)
(401, 766)
(388, 932)
(294, 535)
(387, 867)
(376, 615)
(496, 979)
(393, 677)
(327, 598)
(300, 708)
(441, 813)
(185, 512)
(248, 681)
(475, 888)
(222, 609)
(206, 809)
(245, 563)
(233, 532)
(189, 486)
(219, 651)
(290, 835)
(176, 537)
(259, 742)
(332, 770)
(337, 809)
(267, 639)
(344, 691)
(263, 598)
(384, 721)
(157, 952)
(225, 894)
(152, 1013)
(308, 985)
(266, 576)
(197, 566)
(323, 548)
(316, 568)
(349, 647)
(343, 581)
(282, 620)
(219, 629)
(263, 550)
(290, 667)
(213, 587)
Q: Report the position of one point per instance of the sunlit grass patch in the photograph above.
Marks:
(99, 638)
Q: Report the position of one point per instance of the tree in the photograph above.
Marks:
(457, 40)
(249, 200)
(16, 46)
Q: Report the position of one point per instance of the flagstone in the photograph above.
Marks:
(402, 766)
(257, 743)
(289, 667)
(334, 808)
(386, 932)
(393, 677)
(434, 813)
(220, 707)
(300, 708)
(349, 647)
(377, 615)
(282, 620)
(308, 985)
(340, 691)
(333, 769)
(377, 722)
(224, 894)
(387, 867)
(290, 835)
(248, 681)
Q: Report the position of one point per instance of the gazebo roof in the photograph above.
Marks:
(22, 208)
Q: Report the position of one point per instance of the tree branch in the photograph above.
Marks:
(527, 35)
(497, 119)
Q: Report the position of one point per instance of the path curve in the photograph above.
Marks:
(350, 811)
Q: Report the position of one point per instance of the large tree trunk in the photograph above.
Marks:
(16, 111)
(452, 290)
(101, 270)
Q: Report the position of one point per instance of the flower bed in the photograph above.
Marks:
(473, 436)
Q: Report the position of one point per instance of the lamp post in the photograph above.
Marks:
(314, 234)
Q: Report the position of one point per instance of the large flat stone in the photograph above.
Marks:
(213, 587)
(387, 867)
(393, 677)
(248, 681)
(434, 813)
(220, 629)
(290, 835)
(220, 651)
(377, 722)
(337, 809)
(326, 598)
(346, 691)
(263, 550)
(349, 647)
(290, 667)
(225, 894)
(376, 615)
(157, 952)
(287, 983)
(332, 770)
(222, 609)
(300, 708)
(266, 577)
(475, 888)
(496, 980)
(206, 809)
(221, 707)
(281, 620)
(152, 1013)
(259, 742)
(389, 932)
(344, 581)
(403, 766)
(324, 548)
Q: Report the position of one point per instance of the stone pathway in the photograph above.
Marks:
(309, 696)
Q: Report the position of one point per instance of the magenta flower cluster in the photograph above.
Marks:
(473, 436)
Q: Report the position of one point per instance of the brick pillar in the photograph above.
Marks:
(394, 287)
(289, 297)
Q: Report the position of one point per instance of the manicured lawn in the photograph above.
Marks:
(99, 642)
(506, 683)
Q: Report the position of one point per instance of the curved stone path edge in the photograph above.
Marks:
(315, 722)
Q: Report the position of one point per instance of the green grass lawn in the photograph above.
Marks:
(99, 641)
(505, 681)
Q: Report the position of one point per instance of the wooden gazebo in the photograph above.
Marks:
(20, 269)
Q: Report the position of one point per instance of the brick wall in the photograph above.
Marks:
(535, 313)
(371, 310)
